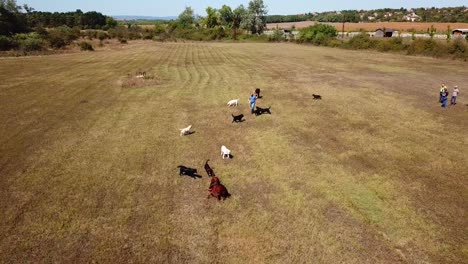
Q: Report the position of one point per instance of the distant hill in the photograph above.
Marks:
(127, 17)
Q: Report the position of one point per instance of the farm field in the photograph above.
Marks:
(375, 172)
(400, 26)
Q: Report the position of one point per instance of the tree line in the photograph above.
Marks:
(433, 14)
(22, 19)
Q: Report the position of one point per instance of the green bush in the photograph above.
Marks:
(391, 44)
(91, 34)
(361, 41)
(86, 46)
(61, 36)
(6, 43)
(159, 29)
(319, 34)
(428, 47)
(102, 35)
(29, 42)
(335, 43)
(457, 46)
(278, 35)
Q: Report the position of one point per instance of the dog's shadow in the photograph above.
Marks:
(231, 156)
(190, 133)
(194, 176)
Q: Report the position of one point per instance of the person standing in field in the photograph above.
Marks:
(444, 98)
(441, 91)
(252, 101)
(453, 100)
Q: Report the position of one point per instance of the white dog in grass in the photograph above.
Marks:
(225, 152)
(233, 102)
(185, 131)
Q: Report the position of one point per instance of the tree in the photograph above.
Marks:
(226, 16)
(110, 23)
(12, 21)
(255, 18)
(186, 18)
(237, 15)
(318, 34)
(212, 18)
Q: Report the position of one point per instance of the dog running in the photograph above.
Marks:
(261, 111)
(217, 190)
(225, 152)
(317, 97)
(237, 118)
(185, 131)
(208, 169)
(191, 172)
(233, 102)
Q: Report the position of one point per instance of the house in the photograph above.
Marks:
(460, 31)
(384, 33)
(412, 17)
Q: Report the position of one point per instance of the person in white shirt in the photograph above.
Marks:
(453, 100)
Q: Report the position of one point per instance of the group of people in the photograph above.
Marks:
(443, 95)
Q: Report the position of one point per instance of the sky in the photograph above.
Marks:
(175, 7)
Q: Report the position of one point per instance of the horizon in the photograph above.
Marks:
(274, 7)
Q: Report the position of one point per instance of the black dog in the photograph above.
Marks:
(317, 97)
(208, 169)
(188, 172)
(237, 118)
(261, 111)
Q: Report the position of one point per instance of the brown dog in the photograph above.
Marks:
(217, 190)
(208, 169)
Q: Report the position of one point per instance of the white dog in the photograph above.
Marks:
(233, 102)
(225, 152)
(185, 131)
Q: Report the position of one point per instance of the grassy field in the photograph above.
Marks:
(376, 172)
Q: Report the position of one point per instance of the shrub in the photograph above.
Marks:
(278, 35)
(392, 44)
(361, 41)
(458, 48)
(123, 41)
(6, 43)
(319, 34)
(428, 47)
(29, 42)
(335, 43)
(159, 29)
(91, 34)
(61, 36)
(102, 35)
(86, 46)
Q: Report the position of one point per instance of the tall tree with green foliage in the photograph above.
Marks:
(12, 21)
(226, 16)
(255, 18)
(186, 18)
(212, 17)
(237, 15)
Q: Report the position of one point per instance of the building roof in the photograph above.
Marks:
(387, 30)
(463, 30)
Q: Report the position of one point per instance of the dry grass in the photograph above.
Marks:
(376, 172)
(400, 26)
